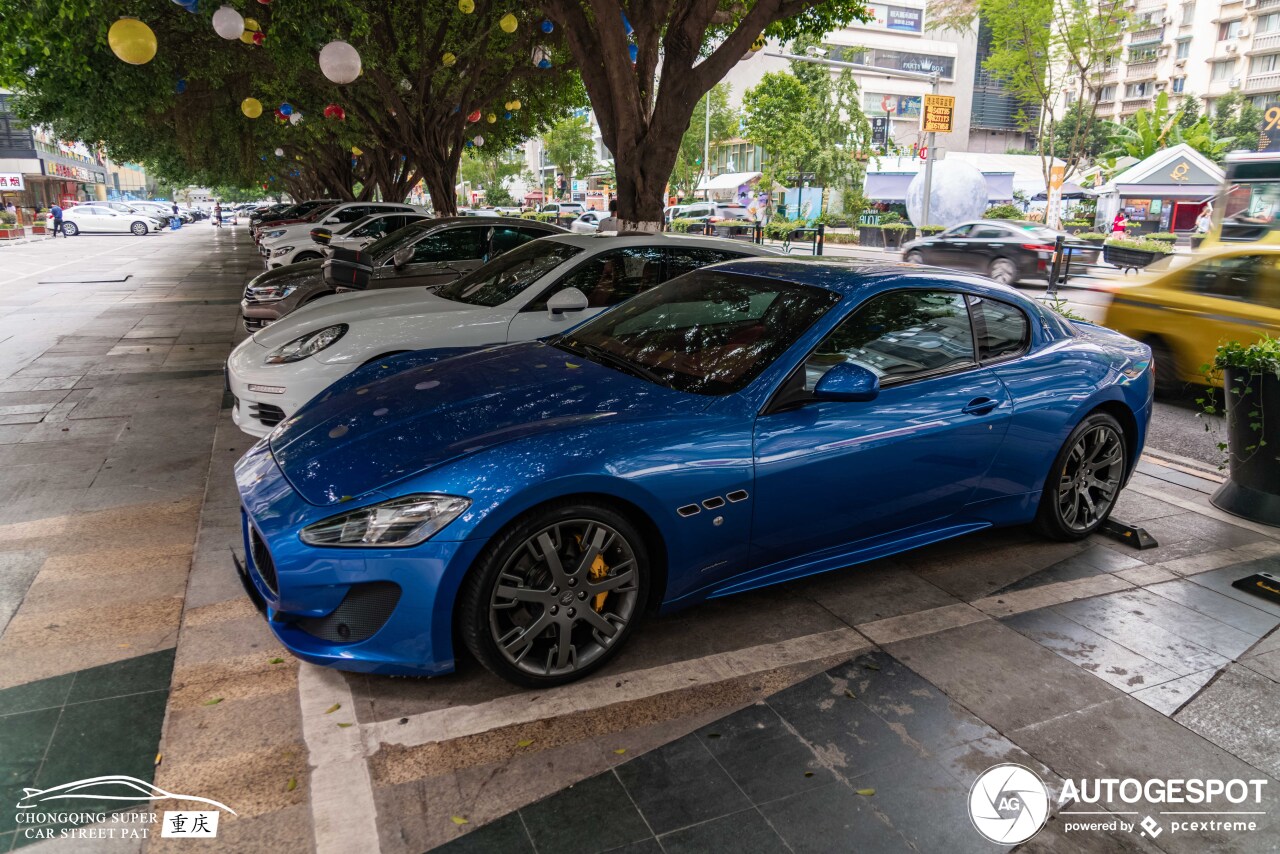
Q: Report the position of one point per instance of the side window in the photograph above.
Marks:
(506, 238)
(959, 231)
(1233, 277)
(899, 336)
(533, 233)
(610, 277)
(1002, 330)
(374, 228)
(352, 214)
(681, 261)
(452, 244)
(990, 232)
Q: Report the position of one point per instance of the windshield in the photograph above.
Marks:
(506, 277)
(384, 247)
(707, 332)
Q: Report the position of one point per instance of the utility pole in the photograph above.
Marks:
(928, 157)
(706, 148)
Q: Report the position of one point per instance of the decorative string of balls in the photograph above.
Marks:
(251, 107)
(356, 151)
(132, 41)
(541, 58)
(279, 152)
(479, 141)
(448, 60)
(228, 23)
(295, 117)
(340, 62)
(189, 5)
(286, 109)
(474, 116)
(491, 118)
(547, 26)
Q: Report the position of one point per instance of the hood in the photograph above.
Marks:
(289, 272)
(357, 306)
(341, 447)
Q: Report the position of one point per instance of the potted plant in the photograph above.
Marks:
(1094, 237)
(870, 234)
(1165, 236)
(1005, 211)
(9, 228)
(893, 233)
(930, 230)
(1250, 376)
(1134, 253)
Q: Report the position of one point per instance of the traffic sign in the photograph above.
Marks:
(938, 114)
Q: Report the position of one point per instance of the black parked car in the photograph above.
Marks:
(1004, 249)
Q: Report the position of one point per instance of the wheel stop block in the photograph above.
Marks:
(1262, 584)
(1129, 534)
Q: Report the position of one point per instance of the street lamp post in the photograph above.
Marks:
(887, 73)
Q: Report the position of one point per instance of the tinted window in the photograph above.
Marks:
(507, 238)
(899, 336)
(1002, 330)
(451, 244)
(506, 277)
(610, 277)
(387, 246)
(379, 227)
(681, 261)
(352, 214)
(705, 333)
(959, 231)
(1237, 277)
(989, 231)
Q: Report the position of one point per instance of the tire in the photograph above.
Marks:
(502, 629)
(69, 229)
(305, 256)
(1074, 503)
(914, 257)
(1169, 381)
(138, 228)
(1003, 271)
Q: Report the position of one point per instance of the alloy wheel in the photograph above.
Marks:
(138, 228)
(1090, 478)
(1003, 271)
(69, 229)
(564, 597)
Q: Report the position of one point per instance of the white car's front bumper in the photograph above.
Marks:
(266, 395)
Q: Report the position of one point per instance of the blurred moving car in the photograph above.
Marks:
(1005, 250)
(435, 252)
(100, 218)
(713, 212)
(157, 221)
(1232, 294)
(564, 208)
(588, 222)
(541, 288)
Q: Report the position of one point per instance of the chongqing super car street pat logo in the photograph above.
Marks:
(1008, 804)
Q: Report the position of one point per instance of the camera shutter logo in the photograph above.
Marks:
(1008, 804)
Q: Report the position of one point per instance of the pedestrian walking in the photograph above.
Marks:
(1204, 222)
(56, 212)
(217, 214)
(1119, 224)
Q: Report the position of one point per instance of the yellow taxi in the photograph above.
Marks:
(1184, 313)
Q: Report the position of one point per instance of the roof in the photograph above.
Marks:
(1152, 169)
(845, 276)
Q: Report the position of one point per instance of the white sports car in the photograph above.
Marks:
(285, 244)
(541, 288)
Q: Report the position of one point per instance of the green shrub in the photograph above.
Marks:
(1162, 235)
(7, 218)
(687, 225)
(1092, 235)
(780, 229)
(889, 218)
(1005, 211)
(1078, 223)
(842, 237)
(1141, 244)
(1260, 357)
(932, 229)
(529, 215)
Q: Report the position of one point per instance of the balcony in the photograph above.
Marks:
(1132, 105)
(1267, 4)
(1269, 82)
(1141, 70)
(1147, 34)
(1265, 43)
(1106, 75)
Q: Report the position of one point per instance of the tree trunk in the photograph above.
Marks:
(440, 184)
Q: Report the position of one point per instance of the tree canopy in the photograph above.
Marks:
(723, 125)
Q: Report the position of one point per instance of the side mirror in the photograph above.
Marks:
(849, 382)
(564, 301)
(402, 257)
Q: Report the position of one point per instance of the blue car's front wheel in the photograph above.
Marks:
(556, 594)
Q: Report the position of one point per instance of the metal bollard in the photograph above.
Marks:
(1053, 268)
(822, 239)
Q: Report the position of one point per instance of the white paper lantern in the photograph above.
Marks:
(279, 152)
(295, 117)
(228, 23)
(340, 62)
(479, 141)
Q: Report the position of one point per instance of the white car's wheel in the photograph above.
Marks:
(70, 229)
(139, 228)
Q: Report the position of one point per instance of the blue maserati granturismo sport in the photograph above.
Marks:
(739, 426)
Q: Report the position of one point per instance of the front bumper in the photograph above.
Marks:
(258, 412)
(385, 611)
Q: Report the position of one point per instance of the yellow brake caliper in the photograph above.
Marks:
(599, 571)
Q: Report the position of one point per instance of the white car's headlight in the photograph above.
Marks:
(279, 232)
(283, 250)
(306, 345)
(271, 293)
(400, 522)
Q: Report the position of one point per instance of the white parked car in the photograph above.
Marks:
(541, 288)
(564, 208)
(93, 218)
(285, 244)
(158, 221)
(359, 234)
(589, 222)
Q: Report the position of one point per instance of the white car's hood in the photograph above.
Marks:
(368, 307)
(291, 232)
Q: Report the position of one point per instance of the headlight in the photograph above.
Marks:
(271, 293)
(308, 345)
(274, 234)
(400, 522)
(283, 250)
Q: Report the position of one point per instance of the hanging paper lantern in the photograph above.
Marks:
(228, 23)
(469, 144)
(544, 63)
(405, 85)
(353, 161)
(279, 152)
(507, 115)
(448, 60)
(479, 141)
(634, 52)
(262, 157)
(286, 108)
(265, 2)
(466, 7)
(180, 86)
(758, 44)
(515, 105)
(491, 118)
(340, 62)
(547, 26)
(251, 107)
(250, 27)
(295, 117)
(626, 23)
(132, 41)
(508, 23)
(259, 38)
(357, 152)
(474, 116)
(333, 111)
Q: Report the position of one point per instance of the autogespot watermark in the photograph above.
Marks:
(1009, 804)
(51, 813)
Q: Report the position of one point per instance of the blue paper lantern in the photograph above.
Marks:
(634, 51)
(547, 26)
(286, 108)
(626, 23)
(180, 86)
(469, 144)
(507, 115)
(354, 161)
(544, 63)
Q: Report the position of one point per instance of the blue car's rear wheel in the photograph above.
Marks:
(555, 595)
(1085, 480)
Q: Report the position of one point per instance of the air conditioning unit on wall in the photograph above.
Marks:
(1179, 63)
(1250, 4)
(1244, 31)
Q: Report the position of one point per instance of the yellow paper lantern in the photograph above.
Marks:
(508, 23)
(466, 7)
(515, 105)
(132, 41)
(448, 60)
(758, 44)
(251, 26)
(491, 118)
(251, 107)
(355, 151)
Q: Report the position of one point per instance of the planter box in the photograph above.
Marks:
(1252, 489)
(870, 235)
(39, 229)
(895, 237)
(1129, 259)
(12, 233)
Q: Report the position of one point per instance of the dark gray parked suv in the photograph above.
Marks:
(432, 252)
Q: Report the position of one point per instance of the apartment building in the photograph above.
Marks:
(1207, 48)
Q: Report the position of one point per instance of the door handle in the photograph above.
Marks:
(980, 406)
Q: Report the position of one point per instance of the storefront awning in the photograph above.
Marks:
(727, 181)
(1166, 191)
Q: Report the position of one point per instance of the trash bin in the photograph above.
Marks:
(175, 223)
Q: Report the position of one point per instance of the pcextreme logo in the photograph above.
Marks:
(1008, 804)
(50, 813)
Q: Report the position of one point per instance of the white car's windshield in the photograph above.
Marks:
(504, 278)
